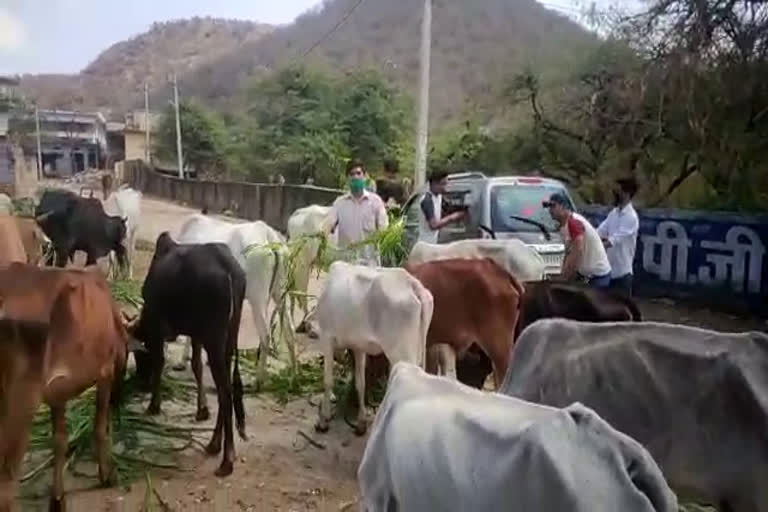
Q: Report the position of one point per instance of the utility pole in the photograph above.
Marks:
(147, 128)
(178, 127)
(39, 144)
(422, 130)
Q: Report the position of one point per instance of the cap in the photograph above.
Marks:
(557, 198)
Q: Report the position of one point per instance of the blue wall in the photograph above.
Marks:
(714, 255)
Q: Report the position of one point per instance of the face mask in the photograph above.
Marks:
(356, 185)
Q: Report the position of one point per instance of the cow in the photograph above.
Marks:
(32, 238)
(311, 220)
(77, 223)
(107, 182)
(6, 205)
(370, 311)
(11, 245)
(262, 275)
(60, 334)
(696, 399)
(552, 299)
(475, 301)
(512, 255)
(126, 203)
(438, 445)
(195, 290)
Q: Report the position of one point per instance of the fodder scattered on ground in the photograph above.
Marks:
(138, 442)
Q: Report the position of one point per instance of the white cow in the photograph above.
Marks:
(370, 311)
(6, 205)
(310, 220)
(514, 256)
(439, 445)
(126, 203)
(260, 265)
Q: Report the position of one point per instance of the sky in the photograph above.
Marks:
(64, 36)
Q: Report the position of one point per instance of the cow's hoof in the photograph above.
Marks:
(153, 410)
(361, 429)
(243, 435)
(302, 328)
(313, 335)
(57, 505)
(321, 426)
(213, 448)
(225, 469)
(110, 480)
(203, 414)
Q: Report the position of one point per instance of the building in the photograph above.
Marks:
(9, 92)
(136, 125)
(71, 141)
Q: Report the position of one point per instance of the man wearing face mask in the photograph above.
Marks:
(619, 235)
(357, 215)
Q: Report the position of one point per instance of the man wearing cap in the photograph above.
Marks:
(585, 255)
(619, 235)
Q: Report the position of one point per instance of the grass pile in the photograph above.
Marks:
(139, 443)
(126, 292)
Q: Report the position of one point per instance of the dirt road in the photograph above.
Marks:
(277, 469)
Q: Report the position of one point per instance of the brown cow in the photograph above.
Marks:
(60, 334)
(552, 299)
(11, 246)
(476, 301)
(32, 237)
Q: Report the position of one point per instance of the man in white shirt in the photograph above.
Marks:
(357, 215)
(585, 255)
(431, 220)
(619, 235)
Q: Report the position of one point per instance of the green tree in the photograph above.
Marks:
(203, 136)
(302, 122)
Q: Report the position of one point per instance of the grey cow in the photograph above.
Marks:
(437, 444)
(696, 399)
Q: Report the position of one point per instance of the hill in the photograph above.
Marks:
(114, 81)
(475, 46)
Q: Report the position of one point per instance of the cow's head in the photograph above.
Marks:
(133, 327)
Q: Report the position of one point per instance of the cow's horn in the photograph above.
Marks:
(41, 218)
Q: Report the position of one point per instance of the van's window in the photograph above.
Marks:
(521, 201)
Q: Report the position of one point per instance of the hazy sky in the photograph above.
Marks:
(64, 36)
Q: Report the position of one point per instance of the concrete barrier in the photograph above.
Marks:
(713, 257)
(272, 204)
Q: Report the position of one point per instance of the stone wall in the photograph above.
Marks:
(272, 204)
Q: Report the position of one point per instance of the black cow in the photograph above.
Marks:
(75, 223)
(195, 290)
(552, 299)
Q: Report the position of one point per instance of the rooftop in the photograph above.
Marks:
(9, 80)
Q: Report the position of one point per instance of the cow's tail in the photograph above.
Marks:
(117, 393)
(235, 311)
(427, 308)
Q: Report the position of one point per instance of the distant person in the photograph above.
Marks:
(585, 255)
(280, 179)
(357, 215)
(431, 220)
(619, 235)
(389, 187)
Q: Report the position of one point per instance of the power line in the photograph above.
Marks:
(334, 29)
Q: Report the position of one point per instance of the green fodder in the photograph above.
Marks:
(126, 292)
(138, 442)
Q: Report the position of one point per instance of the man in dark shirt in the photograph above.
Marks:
(431, 219)
(389, 186)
